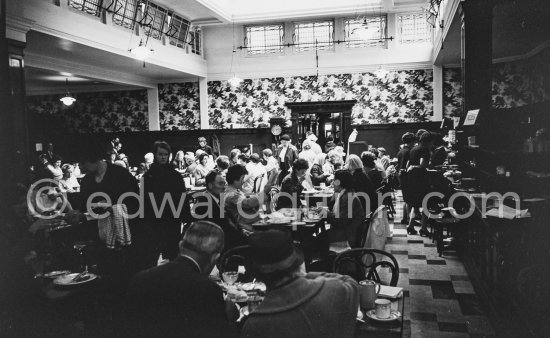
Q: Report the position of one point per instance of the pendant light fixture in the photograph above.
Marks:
(234, 81)
(67, 99)
(141, 52)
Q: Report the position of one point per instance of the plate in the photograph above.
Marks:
(68, 279)
(393, 316)
(311, 220)
(298, 223)
(54, 274)
(279, 221)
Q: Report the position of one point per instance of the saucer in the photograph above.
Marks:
(393, 316)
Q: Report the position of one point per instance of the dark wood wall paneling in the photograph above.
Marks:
(136, 144)
(389, 135)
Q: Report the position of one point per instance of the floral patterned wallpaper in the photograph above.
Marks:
(452, 92)
(515, 84)
(522, 82)
(121, 111)
(395, 97)
(179, 106)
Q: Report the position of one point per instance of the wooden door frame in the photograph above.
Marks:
(323, 107)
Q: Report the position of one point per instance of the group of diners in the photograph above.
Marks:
(178, 298)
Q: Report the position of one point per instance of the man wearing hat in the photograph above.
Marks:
(298, 304)
(286, 154)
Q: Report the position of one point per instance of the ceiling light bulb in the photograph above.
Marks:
(141, 52)
(67, 100)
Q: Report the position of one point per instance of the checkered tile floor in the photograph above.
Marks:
(440, 300)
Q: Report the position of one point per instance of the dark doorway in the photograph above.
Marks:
(323, 118)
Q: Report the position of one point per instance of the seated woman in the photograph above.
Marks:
(346, 215)
(371, 169)
(242, 209)
(201, 170)
(317, 174)
(291, 186)
(234, 156)
(68, 183)
(334, 162)
(190, 163)
(179, 161)
(362, 184)
(255, 170)
(222, 164)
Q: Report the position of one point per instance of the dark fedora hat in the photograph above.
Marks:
(285, 137)
(272, 251)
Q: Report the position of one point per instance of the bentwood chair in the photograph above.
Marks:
(377, 265)
(258, 183)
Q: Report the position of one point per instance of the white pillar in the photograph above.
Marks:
(153, 107)
(438, 93)
(203, 98)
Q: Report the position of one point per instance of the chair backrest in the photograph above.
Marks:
(377, 265)
(272, 202)
(233, 258)
(257, 183)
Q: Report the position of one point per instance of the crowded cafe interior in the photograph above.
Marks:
(252, 168)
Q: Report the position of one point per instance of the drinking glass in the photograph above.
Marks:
(230, 277)
(79, 247)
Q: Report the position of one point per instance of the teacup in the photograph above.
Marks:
(382, 308)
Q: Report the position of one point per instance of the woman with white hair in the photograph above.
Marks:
(179, 161)
(190, 163)
(149, 158)
(68, 183)
(312, 139)
(334, 162)
(307, 153)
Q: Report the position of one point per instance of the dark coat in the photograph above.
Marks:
(211, 210)
(346, 226)
(291, 185)
(290, 156)
(162, 179)
(363, 184)
(317, 305)
(175, 300)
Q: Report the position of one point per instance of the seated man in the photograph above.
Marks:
(207, 208)
(178, 299)
(298, 304)
(241, 210)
